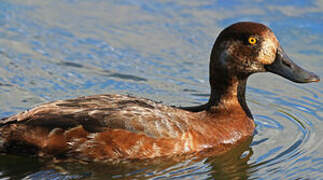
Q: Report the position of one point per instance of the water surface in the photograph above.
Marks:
(53, 50)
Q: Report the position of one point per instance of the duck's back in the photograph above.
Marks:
(97, 127)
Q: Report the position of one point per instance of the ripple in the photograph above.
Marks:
(127, 77)
(52, 175)
(294, 113)
(71, 64)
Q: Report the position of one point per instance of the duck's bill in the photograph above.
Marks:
(285, 67)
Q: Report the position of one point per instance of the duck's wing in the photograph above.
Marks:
(99, 112)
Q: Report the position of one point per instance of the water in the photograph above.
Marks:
(160, 49)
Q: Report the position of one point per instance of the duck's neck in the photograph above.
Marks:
(227, 94)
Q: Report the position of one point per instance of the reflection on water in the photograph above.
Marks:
(232, 164)
(160, 49)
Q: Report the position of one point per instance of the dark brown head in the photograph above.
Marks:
(246, 47)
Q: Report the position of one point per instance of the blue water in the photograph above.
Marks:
(160, 50)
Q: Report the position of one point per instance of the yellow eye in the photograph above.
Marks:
(252, 40)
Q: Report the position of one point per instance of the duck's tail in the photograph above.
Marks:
(3, 133)
(2, 138)
(12, 138)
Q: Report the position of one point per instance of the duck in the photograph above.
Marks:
(116, 127)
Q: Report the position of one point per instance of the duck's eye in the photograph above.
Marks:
(252, 40)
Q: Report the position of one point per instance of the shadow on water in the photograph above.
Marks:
(11, 166)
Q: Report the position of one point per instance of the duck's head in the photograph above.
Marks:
(246, 47)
